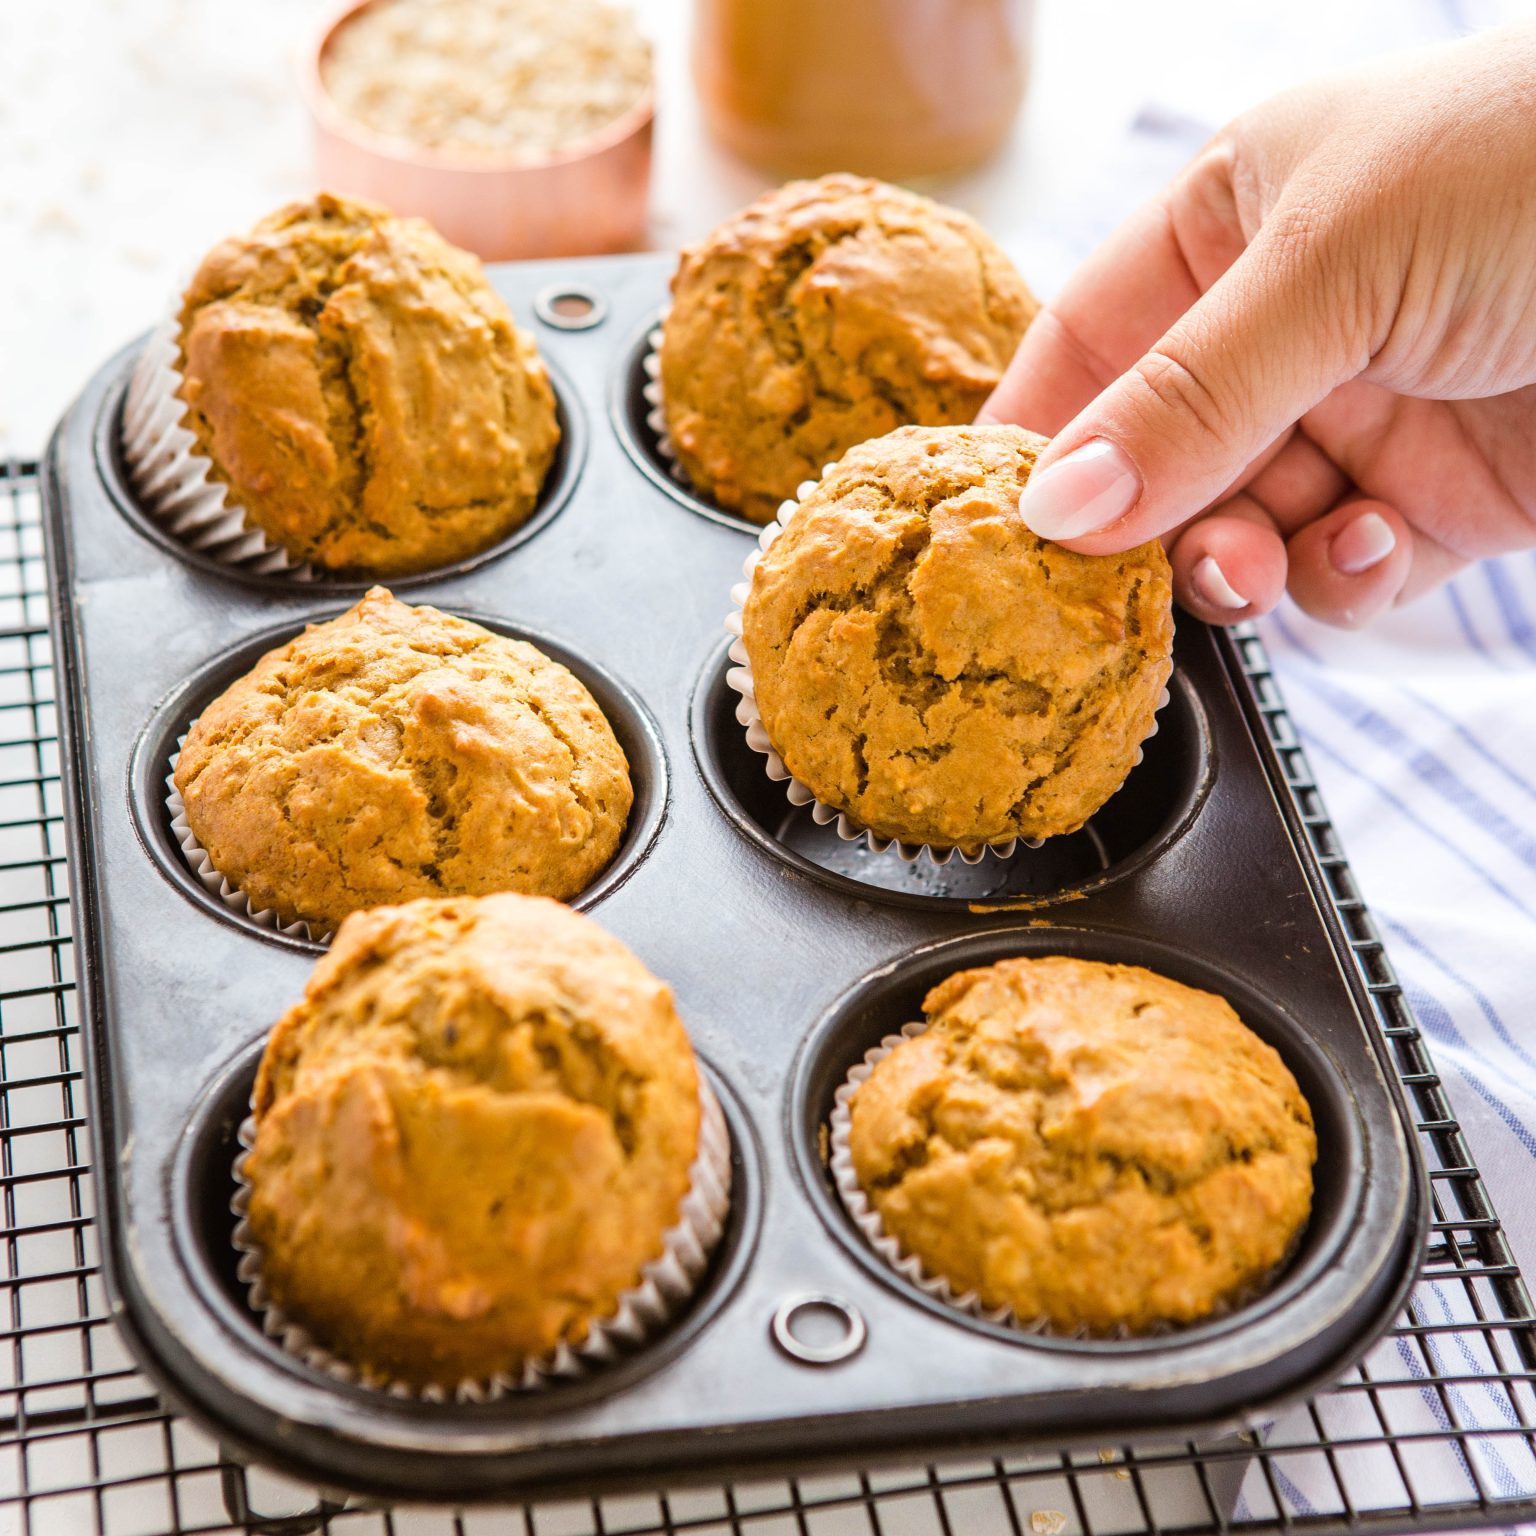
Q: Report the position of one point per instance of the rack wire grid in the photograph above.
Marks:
(1435, 1429)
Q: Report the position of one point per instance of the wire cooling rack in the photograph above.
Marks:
(1436, 1429)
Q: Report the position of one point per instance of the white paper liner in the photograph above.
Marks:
(666, 1282)
(650, 392)
(202, 866)
(172, 476)
(870, 1223)
(739, 678)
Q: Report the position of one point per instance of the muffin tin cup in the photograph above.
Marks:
(218, 885)
(799, 794)
(174, 478)
(165, 831)
(172, 491)
(667, 1284)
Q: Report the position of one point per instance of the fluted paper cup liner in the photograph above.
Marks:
(739, 677)
(208, 876)
(651, 393)
(173, 477)
(666, 1283)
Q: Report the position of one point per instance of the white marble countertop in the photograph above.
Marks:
(134, 133)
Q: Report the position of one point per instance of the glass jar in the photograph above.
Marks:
(890, 88)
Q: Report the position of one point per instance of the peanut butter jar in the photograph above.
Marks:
(581, 194)
(889, 88)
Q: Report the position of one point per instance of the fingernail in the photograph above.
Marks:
(1361, 544)
(1212, 584)
(1092, 487)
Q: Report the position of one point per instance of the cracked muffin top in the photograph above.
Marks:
(361, 390)
(825, 313)
(926, 664)
(1095, 1146)
(471, 1136)
(398, 752)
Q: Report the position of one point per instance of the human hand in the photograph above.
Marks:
(1311, 361)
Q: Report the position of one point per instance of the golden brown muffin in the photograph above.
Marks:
(471, 1136)
(362, 391)
(928, 665)
(398, 752)
(1090, 1144)
(825, 313)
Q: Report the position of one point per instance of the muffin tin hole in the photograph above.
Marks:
(818, 1329)
(202, 1186)
(564, 471)
(566, 307)
(636, 731)
(883, 1001)
(631, 412)
(1156, 802)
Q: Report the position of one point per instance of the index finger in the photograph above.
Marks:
(1126, 295)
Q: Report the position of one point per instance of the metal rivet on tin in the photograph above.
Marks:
(831, 1329)
(570, 307)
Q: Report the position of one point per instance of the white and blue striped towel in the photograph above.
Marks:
(1421, 732)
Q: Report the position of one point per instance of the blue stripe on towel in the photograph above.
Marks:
(1467, 739)
(1424, 764)
(1502, 585)
(1441, 1027)
(1316, 745)
(1410, 940)
(1464, 622)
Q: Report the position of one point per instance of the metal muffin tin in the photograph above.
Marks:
(790, 952)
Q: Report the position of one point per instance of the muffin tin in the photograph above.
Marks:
(790, 951)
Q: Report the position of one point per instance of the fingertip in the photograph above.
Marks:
(1082, 494)
(1348, 567)
(1226, 569)
(1214, 586)
(1363, 542)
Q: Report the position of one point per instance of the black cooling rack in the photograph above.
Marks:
(1435, 1429)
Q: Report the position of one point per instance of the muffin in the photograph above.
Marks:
(925, 664)
(825, 313)
(398, 752)
(1092, 1146)
(471, 1136)
(361, 392)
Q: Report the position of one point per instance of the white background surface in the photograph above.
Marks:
(135, 133)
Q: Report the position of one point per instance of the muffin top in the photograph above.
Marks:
(361, 390)
(1093, 1145)
(471, 1135)
(925, 663)
(825, 313)
(398, 752)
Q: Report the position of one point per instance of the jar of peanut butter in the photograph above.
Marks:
(890, 88)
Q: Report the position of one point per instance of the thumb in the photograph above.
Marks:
(1276, 333)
